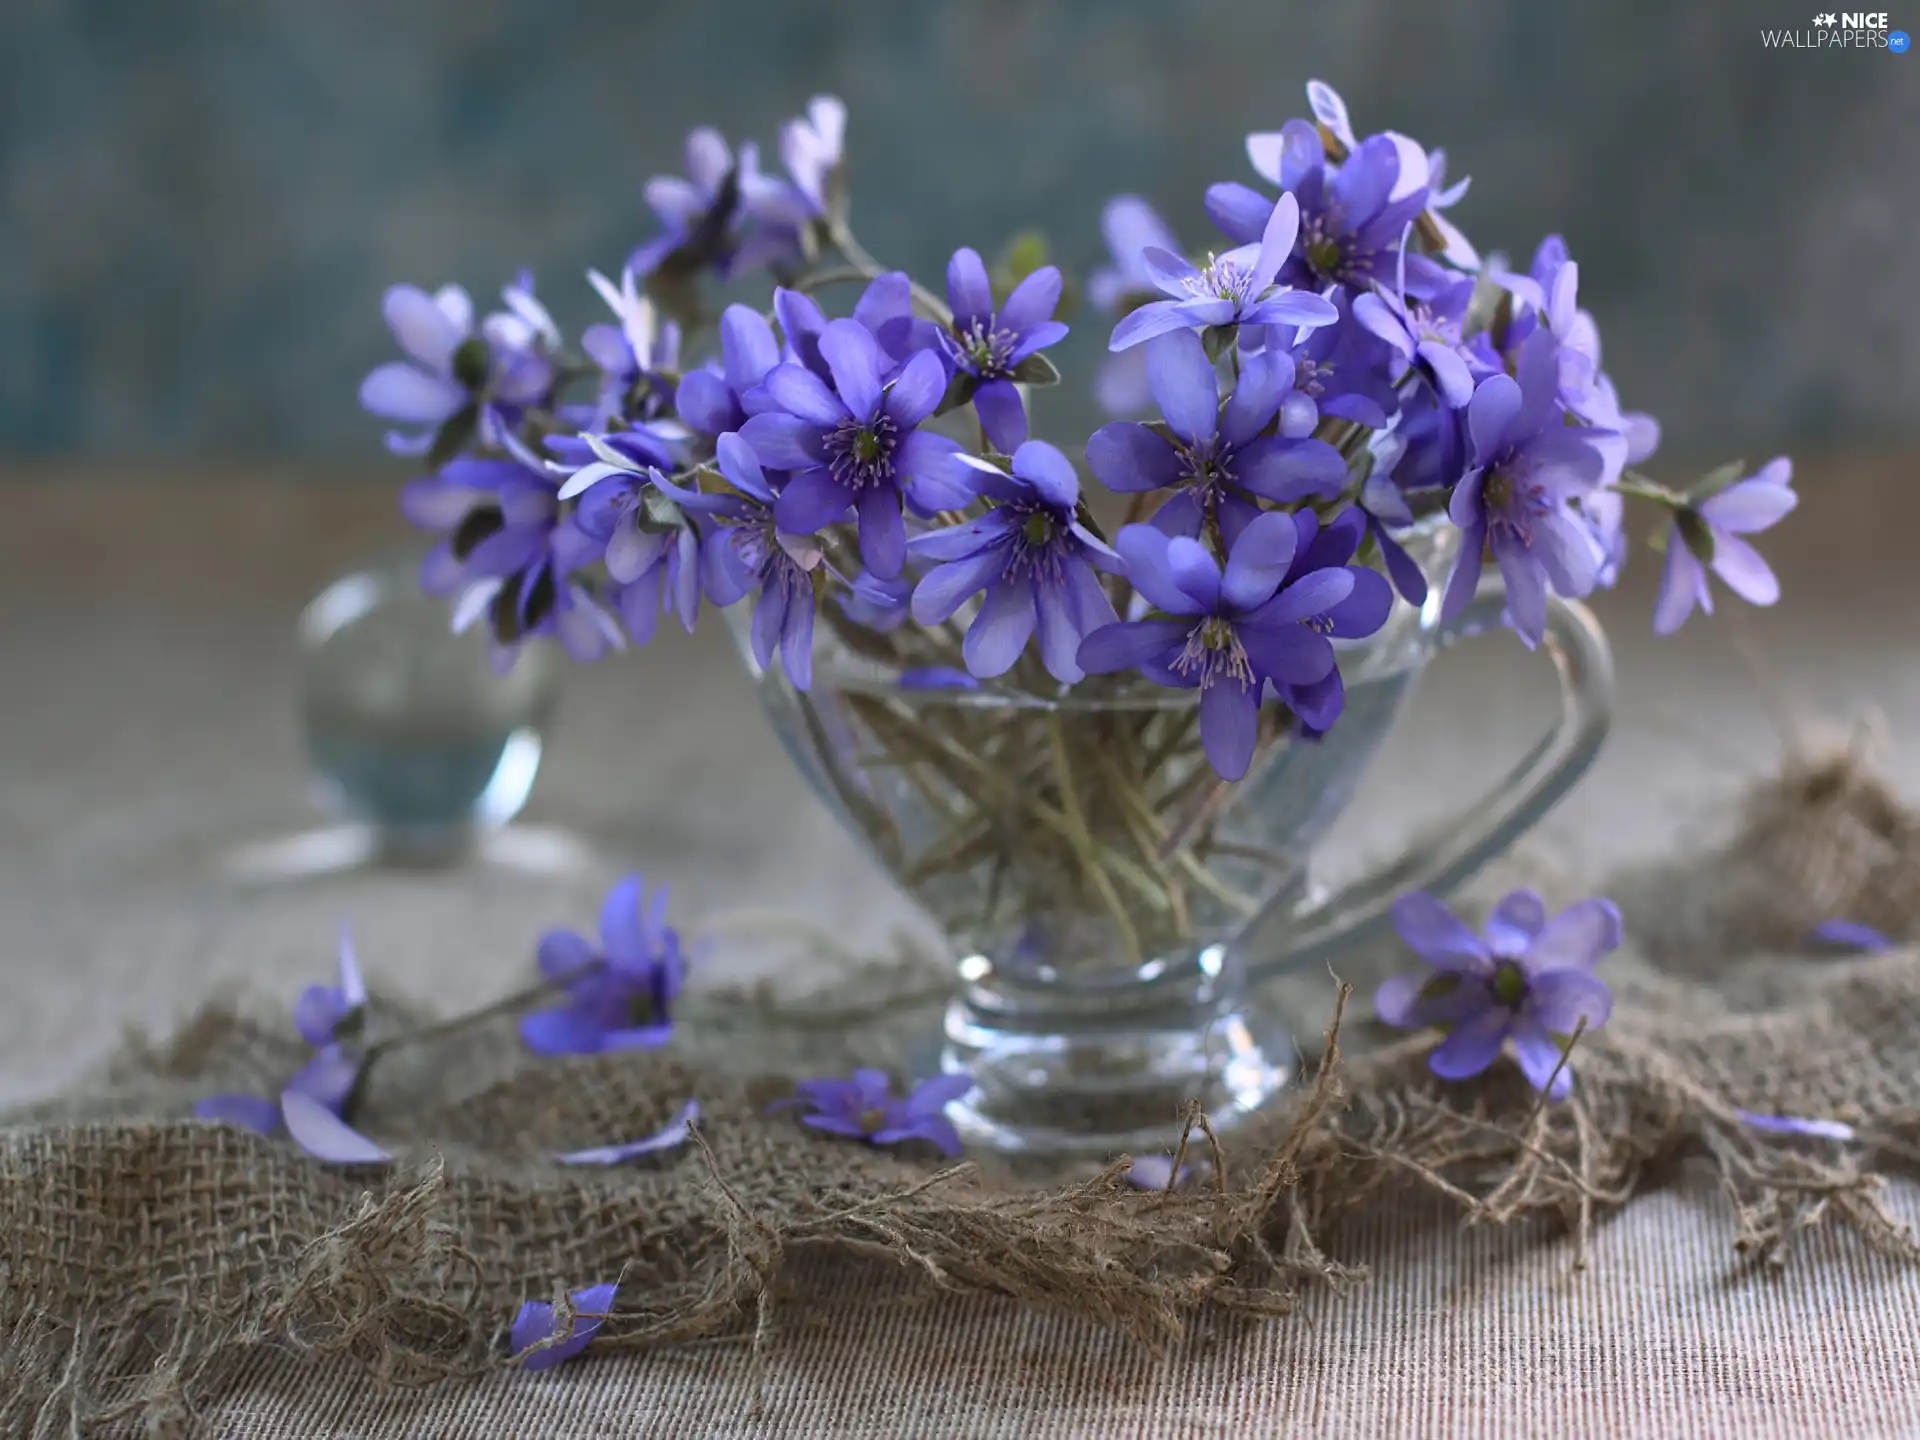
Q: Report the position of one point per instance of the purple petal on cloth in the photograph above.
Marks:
(536, 1322)
(1793, 1125)
(1437, 935)
(1850, 935)
(323, 1134)
(1156, 1172)
(1542, 1059)
(675, 1132)
(1472, 1047)
(251, 1112)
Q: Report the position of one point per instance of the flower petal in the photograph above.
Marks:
(1002, 628)
(1033, 301)
(536, 1322)
(1143, 324)
(1683, 584)
(1258, 562)
(1003, 416)
(1128, 458)
(1746, 573)
(1229, 726)
(1472, 1047)
(251, 1112)
(798, 391)
(883, 532)
(784, 442)
(422, 328)
(1438, 936)
(1127, 645)
(1850, 935)
(854, 358)
(1144, 549)
(945, 588)
(1577, 937)
(675, 1132)
(811, 500)
(968, 290)
(1542, 1059)
(1515, 921)
(398, 391)
(1239, 211)
(1184, 384)
(1792, 1125)
(1560, 1000)
(1495, 403)
(323, 1134)
(916, 393)
(564, 1030)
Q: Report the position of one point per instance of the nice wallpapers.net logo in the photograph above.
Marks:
(1847, 30)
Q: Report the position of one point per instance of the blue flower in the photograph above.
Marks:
(1032, 556)
(855, 444)
(1710, 535)
(620, 993)
(745, 549)
(1527, 465)
(1224, 634)
(990, 344)
(813, 149)
(1320, 549)
(652, 557)
(715, 400)
(1233, 289)
(635, 355)
(1529, 980)
(1219, 465)
(863, 1108)
(701, 214)
(1426, 334)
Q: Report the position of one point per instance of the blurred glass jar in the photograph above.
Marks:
(408, 727)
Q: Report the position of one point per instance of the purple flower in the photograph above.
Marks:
(1351, 216)
(991, 345)
(856, 444)
(885, 308)
(1529, 980)
(882, 606)
(1231, 290)
(1426, 334)
(1343, 368)
(489, 377)
(1325, 548)
(1131, 228)
(1707, 535)
(676, 1131)
(619, 993)
(652, 555)
(714, 401)
(864, 1108)
(813, 148)
(635, 356)
(1224, 634)
(1219, 464)
(1850, 935)
(328, 1018)
(1418, 169)
(536, 1324)
(1034, 559)
(699, 215)
(1156, 1172)
(1386, 510)
(1527, 465)
(745, 549)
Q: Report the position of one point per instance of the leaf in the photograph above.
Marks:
(456, 432)
(324, 1135)
(1036, 370)
(1218, 339)
(959, 391)
(1716, 480)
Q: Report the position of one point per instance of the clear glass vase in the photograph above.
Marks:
(1109, 900)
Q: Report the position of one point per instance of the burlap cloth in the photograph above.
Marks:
(148, 1259)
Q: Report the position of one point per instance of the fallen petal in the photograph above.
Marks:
(1793, 1125)
(1850, 935)
(1156, 1172)
(676, 1132)
(536, 1323)
(323, 1134)
(251, 1112)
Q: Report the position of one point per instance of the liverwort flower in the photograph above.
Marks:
(1233, 289)
(1319, 549)
(864, 1108)
(746, 549)
(1130, 227)
(1219, 464)
(1351, 215)
(882, 606)
(813, 148)
(1528, 980)
(1223, 633)
(636, 356)
(1795, 1125)
(1527, 465)
(652, 554)
(1034, 558)
(991, 345)
(1707, 535)
(698, 213)
(1850, 935)
(457, 382)
(855, 444)
(537, 1329)
(714, 401)
(1425, 333)
(620, 992)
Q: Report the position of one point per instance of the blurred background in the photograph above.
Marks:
(202, 200)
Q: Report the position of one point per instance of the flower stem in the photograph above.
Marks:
(856, 255)
(493, 1010)
(1644, 487)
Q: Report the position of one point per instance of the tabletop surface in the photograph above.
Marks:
(147, 734)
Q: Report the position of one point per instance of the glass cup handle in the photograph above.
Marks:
(1359, 912)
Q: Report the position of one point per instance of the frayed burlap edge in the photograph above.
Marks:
(394, 1282)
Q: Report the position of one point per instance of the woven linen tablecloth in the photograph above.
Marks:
(146, 732)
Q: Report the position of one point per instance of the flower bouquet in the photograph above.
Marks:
(1094, 734)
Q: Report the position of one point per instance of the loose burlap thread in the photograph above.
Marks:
(143, 1252)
